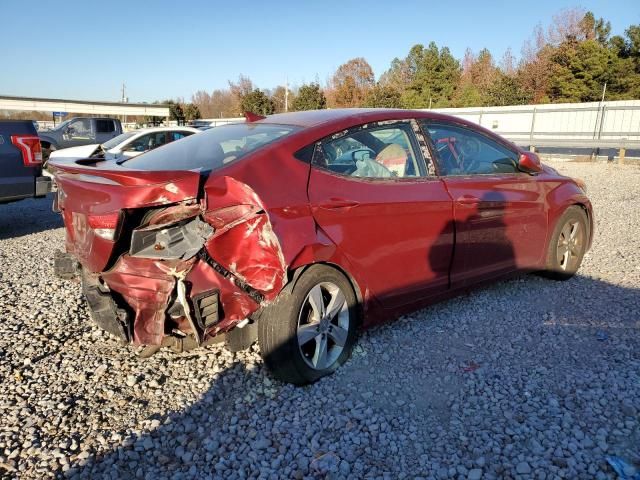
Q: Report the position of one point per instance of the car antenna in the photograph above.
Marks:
(253, 117)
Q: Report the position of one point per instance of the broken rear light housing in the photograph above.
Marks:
(182, 239)
(105, 226)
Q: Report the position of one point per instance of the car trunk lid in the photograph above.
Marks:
(94, 200)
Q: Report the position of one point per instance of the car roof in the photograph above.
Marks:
(311, 118)
(331, 120)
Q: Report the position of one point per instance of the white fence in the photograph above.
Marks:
(614, 124)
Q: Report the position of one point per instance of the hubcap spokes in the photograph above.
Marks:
(569, 245)
(323, 325)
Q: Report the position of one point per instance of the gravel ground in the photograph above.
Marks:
(528, 378)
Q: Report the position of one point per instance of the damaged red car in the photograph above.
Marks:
(298, 228)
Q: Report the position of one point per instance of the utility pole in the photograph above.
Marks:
(599, 116)
(124, 100)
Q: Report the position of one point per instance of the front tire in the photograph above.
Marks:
(568, 244)
(309, 332)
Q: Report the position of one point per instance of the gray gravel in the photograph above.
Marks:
(528, 378)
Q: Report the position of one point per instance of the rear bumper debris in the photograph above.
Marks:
(104, 310)
(163, 298)
(65, 265)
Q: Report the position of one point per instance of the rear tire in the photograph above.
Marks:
(567, 245)
(47, 148)
(309, 332)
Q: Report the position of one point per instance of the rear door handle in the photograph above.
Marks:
(336, 203)
(468, 200)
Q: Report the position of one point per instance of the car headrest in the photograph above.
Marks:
(394, 158)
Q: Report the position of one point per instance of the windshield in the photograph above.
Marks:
(114, 142)
(211, 149)
(62, 125)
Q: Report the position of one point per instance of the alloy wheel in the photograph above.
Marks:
(570, 245)
(323, 325)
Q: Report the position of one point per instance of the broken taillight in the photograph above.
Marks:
(30, 148)
(105, 226)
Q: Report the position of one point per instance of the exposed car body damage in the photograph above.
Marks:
(224, 242)
(244, 242)
(147, 286)
(192, 253)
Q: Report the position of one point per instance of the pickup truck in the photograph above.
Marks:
(21, 162)
(79, 131)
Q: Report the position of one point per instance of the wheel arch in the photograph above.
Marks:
(588, 211)
(48, 141)
(296, 273)
(583, 204)
(562, 197)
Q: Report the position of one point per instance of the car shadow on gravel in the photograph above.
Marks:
(232, 426)
(28, 216)
(429, 373)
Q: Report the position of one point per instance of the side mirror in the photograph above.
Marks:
(529, 162)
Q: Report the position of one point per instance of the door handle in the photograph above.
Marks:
(336, 203)
(468, 200)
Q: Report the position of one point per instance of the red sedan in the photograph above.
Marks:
(299, 228)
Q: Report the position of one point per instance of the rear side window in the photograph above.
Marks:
(211, 149)
(378, 152)
(105, 126)
(173, 136)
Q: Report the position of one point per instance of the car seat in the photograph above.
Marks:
(394, 158)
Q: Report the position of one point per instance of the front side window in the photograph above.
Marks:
(375, 152)
(211, 149)
(80, 129)
(461, 151)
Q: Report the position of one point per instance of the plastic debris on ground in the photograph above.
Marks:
(624, 469)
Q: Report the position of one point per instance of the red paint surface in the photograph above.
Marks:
(403, 242)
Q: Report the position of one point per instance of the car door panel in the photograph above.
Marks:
(500, 218)
(397, 233)
(500, 225)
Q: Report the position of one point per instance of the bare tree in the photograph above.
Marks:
(567, 24)
(350, 83)
(508, 63)
(535, 68)
(202, 100)
(240, 89)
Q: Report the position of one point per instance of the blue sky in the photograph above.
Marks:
(168, 49)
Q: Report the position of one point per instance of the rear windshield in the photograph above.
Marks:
(114, 142)
(211, 149)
